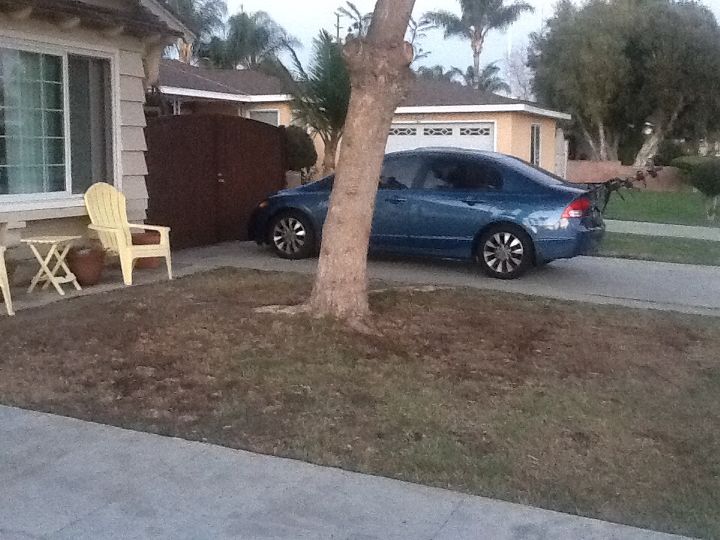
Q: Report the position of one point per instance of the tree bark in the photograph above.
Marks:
(379, 67)
(652, 144)
(330, 153)
(602, 141)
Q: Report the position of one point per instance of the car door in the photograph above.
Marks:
(457, 197)
(391, 226)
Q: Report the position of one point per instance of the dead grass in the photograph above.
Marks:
(604, 412)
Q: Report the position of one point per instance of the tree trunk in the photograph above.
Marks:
(379, 67)
(603, 142)
(328, 164)
(477, 46)
(651, 145)
(649, 148)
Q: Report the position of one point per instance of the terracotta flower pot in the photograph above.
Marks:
(145, 239)
(87, 264)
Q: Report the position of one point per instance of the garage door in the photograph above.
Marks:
(480, 136)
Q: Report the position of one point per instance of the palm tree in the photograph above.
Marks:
(437, 73)
(322, 95)
(255, 39)
(477, 19)
(489, 78)
(204, 17)
(359, 22)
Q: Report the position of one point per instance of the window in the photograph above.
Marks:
(535, 145)
(454, 174)
(475, 131)
(271, 117)
(401, 131)
(438, 131)
(55, 122)
(399, 172)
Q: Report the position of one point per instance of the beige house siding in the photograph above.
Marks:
(68, 216)
(521, 136)
(284, 108)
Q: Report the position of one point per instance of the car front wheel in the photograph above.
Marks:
(505, 252)
(291, 235)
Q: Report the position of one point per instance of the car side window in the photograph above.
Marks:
(399, 172)
(461, 174)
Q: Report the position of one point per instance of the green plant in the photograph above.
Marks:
(301, 153)
(668, 151)
(704, 175)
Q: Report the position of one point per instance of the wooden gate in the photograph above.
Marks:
(207, 173)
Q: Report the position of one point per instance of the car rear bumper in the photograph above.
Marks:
(585, 241)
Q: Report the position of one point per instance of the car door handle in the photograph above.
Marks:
(396, 200)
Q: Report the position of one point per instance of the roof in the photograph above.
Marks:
(427, 92)
(432, 96)
(424, 96)
(176, 75)
(134, 17)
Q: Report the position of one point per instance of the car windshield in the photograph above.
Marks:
(536, 173)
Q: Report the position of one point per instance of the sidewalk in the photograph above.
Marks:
(63, 478)
(644, 228)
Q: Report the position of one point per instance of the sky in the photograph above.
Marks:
(304, 18)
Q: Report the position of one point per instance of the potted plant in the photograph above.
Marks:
(87, 262)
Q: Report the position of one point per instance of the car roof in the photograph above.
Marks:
(447, 150)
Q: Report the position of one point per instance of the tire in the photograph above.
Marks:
(291, 235)
(505, 252)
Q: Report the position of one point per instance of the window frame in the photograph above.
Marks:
(63, 49)
(276, 111)
(535, 145)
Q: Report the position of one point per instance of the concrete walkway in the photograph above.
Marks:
(644, 228)
(641, 284)
(66, 479)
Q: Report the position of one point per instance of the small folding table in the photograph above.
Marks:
(53, 262)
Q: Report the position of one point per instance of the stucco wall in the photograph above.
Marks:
(129, 120)
(285, 116)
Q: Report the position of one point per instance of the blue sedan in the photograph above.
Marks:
(453, 204)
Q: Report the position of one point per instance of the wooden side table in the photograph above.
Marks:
(53, 262)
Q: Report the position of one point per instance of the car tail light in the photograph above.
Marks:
(578, 208)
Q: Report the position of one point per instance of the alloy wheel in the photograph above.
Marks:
(289, 235)
(503, 252)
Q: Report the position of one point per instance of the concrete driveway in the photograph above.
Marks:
(643, 284)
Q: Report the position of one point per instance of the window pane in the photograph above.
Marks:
(54, 151)
(26, 124)
(52, 94)
(90, 121)
(54, 124)
(52, 69)
(268, 117)
(30, 63)
(399, 173)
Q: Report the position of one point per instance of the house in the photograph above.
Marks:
(193, 90)
(73, 75)
(434, 113)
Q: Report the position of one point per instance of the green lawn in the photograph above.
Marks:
(679, 208)
(649, 248)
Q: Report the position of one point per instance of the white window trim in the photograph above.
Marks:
(276, 111)
(63, 199)
(539, 144)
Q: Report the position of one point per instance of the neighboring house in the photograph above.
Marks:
(191, 90)
(73, 75)
(435, 113)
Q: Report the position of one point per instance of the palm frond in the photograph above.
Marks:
(448, 22)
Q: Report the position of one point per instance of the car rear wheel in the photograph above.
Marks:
(504, 252)
(291, 235)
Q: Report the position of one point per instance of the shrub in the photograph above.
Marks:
(301, 153)
(669, 150)
(704, 175)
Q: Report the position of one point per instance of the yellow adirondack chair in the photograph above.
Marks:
(5, 283)
(107, 208)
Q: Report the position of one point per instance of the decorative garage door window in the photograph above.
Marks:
(475, 131)
(438, 131)
(403, 131)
